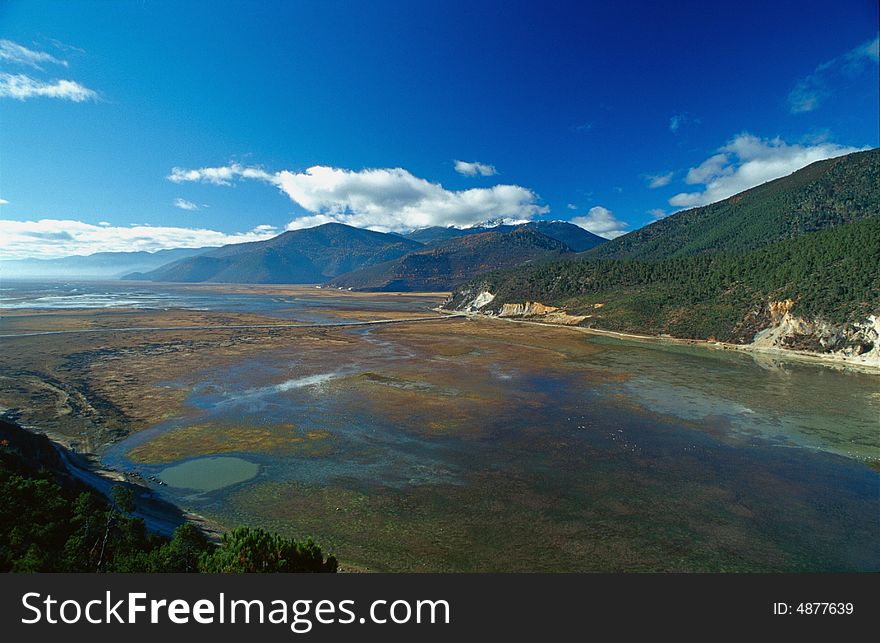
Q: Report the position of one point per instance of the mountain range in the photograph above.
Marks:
(348, 257)
(100, 265)
(436, 258)
(308, 256)
(448, 263)
(576, 238)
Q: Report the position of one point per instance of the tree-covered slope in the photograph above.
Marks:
(822, 195)
(452, 262)
(575, 237)
(832, 275)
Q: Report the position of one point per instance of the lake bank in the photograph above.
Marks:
(826, 359)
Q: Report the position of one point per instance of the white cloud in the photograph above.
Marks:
(805, 96)
(218, 175)
(474, 168)
(22, 87)
(601, 221)
(658, 213)
(676, 121)
(390, 199)
(747, 161)
(183, 204)
(4, 202)
(310, 221)
(809, 92)
(65, 47)
(658, 180)
(713, 167)
(12, 52)
(571, 206)
(51, 238)
(869, 50)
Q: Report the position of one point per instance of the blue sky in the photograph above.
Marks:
(256, 117)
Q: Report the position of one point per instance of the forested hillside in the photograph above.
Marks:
(575, 237)
(833, 274)
(822, 195)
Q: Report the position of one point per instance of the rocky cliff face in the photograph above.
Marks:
(527, 309)
(470, 299)
(857, 341)
(774, 327)
(478, 300)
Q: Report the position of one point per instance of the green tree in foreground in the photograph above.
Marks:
(183, 552)
(52, 523)
(247, 550)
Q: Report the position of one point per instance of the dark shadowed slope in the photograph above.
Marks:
(450, 263)
(575, 237)
(312, 255)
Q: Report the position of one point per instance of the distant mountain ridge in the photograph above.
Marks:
(373, 260)
(100, 265)
(442, 266)
(575, 237)
(311, 255)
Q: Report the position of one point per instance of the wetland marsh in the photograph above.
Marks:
(458, 444)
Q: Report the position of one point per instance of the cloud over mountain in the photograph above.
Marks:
(383, 199)
(658, 180)
(601, 221)
(747, 161)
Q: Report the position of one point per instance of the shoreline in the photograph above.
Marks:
(821, 359)
(160, 516)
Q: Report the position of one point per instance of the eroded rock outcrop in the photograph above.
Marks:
(541, 312)
(479, 300)
(482, 299)
(527, 309)
(856, 341)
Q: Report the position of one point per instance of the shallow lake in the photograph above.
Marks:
(467, 445)
(209, 474)
(483, 446)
